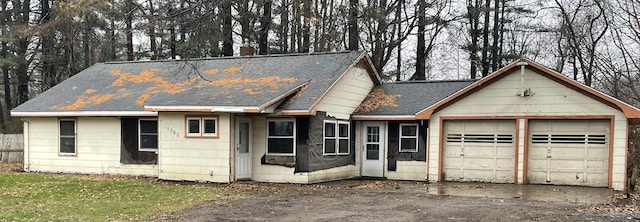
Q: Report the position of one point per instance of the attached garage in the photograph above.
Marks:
(479, 150)
(569, 152)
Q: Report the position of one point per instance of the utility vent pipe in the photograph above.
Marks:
(522, 64)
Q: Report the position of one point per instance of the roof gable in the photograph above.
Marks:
(629, 111)
(227, 84)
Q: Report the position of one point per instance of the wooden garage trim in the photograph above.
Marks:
(515, 168)
(440, 149)
(629, 111)
(611, 140)
(427, 146)
(525, 156)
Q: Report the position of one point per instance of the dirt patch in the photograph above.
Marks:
(387, 200)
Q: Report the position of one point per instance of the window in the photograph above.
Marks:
(480, 138)
(68, 137)
(202, 127)
(336, 137)
(408, 137)
(569, 139)
(148, 134)
(281, 137)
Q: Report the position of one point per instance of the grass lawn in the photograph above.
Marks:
(65, 197)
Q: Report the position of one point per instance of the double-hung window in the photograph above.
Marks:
(336, 137)
(409, 137)
(281, 137)
(67, 137)
(148, 135)
(202, 126)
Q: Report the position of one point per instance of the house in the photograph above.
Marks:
(307, 118)
(217, 120)
(524, 124)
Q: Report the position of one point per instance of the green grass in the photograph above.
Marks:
(56, 197)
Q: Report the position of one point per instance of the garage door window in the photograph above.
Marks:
(480, 138)
(569, 139)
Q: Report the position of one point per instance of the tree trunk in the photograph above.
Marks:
(306, 26)
(129, 28)
(420, 49)
(227, 28)
(22, 15)
(472, 9)
(284, 26)
(46, 46)
(153, 50)
(495, 63)
(265, 26)
(485, 38)
(353, 25)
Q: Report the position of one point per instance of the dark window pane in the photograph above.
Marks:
(67, 128)
(210, 126)
(329, 146)
(281, 128)
(194, 126)
(67, 145)
(343, 146)
(329, 129)
(373, 134)
(148, 126)
(372, 151)
(280, 145)
(343, 130)
(409, 130)
(148, 141)
(571, 139)
(408, 144)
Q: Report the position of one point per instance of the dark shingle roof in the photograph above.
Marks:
(226, 81)
(408, 98)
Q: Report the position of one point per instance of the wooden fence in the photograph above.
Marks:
(11, 146)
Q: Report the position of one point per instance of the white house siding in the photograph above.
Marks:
(408, 170)
(269, 173)
(97, 148)
(193, 159)
(347, 94)
(549, 99)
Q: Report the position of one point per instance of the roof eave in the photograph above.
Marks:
(83, 113)
(383, 117)
(212, 109)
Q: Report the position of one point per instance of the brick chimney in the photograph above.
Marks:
(247, 50)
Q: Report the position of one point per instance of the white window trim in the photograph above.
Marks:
(416, 137)
(337, 137)
(199, 126)
(201, 132)
(140, 136)
(283, 137)
(75, 138)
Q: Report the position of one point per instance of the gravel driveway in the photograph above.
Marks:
(382, 200)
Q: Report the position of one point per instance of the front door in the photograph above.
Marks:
(243, 148)
(373, 145)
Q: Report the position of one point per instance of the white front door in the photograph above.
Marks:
(243, 148)
(373, 150)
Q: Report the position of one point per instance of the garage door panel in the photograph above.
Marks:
(567, 165)
(477, 150)
(568, 152)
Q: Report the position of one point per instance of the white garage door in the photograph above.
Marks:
(568, 152)
(479, 150)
